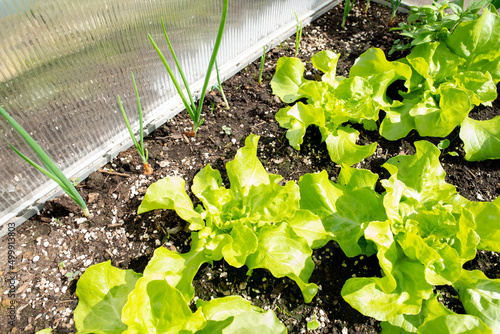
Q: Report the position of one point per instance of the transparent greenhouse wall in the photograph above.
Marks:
(63, 63)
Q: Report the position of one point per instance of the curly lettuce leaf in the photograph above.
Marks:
(422, 175)
(480, 296)
(170, 194)
(380, 73)
(296, 119)
(308, 226)
(439, 120)
(484, 214)
(402, 288)
(156, 307)
(345, 210)
(242, 315)
(284, 253)
(455, 324)
(179, 269)
(288, 79)
(478, 42)
(245, 170)
(326, 61)
(241, 244)
(481, 139)
(102, 293)
(342, 147)
(409, 323)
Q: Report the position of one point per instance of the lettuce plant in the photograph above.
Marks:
(333, 102)
(448, 79)
(113, 300)
(257, 222)
(444, 80)
(422, 231)
(430, 23)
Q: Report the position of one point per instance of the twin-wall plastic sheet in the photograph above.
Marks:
(63, 63)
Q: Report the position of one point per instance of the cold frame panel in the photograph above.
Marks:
(63, 63)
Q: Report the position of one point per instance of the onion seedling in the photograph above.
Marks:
(194, 112)
(298, 35)
(219, 87)
(138, 145)
(367, 6)
(347, 9)
(394, 8)
(51, 170)
(262, 60)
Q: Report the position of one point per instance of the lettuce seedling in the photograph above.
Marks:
(334, 101)
(143, 152)
(113, 300)
(257, 222)
(51, 170)
(432, 23)
(448, 78)
(422, 231)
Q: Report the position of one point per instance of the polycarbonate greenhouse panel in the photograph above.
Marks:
(63, 63)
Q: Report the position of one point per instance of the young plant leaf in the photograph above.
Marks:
(481, 139)
(170, 194)
(103, 292)
(243, 313)
(156, 307)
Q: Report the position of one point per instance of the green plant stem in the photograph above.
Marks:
(52, 170)
(298, 35)
(367, 6)
(219, 87)
(194, 112)
(262, 60)
(222, 24)
(394, 9)
(174, 80)
(347, 9)
(138, 145)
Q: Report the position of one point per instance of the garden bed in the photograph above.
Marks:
(56, 246)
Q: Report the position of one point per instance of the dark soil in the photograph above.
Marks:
(56, 246)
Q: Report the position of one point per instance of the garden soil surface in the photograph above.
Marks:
(56, 246)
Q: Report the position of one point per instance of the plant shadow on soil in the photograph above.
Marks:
(56, 246)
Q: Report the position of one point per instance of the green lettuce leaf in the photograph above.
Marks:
(481, 139)
(422, 175)
(296, 119)
(179, 269)
(485, 213)
(345, 210)
(342, 147)
(156, 307)
(288, 79)
(245, 170)
(308, 226)
(102, 293)
(478, 42)
(245, 317)
(480, 296)
(454, 324)
(284, 253)
(170, 194)
(409, 323)
(326, 61)
(402, 288)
